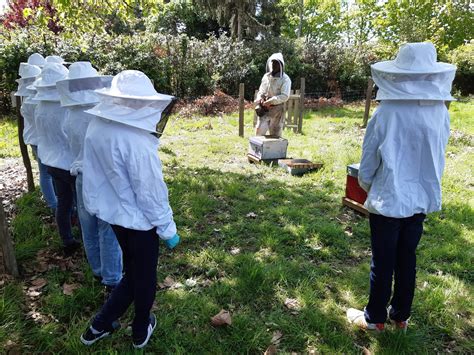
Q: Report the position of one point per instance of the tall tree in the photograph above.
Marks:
(238, 15)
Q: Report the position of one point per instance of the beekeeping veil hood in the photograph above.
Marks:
(35, 59)
(279, 57)
(414, 75)
(132, 100)
(55, 59)
(80, 85)
(45, 85)
(28, 74)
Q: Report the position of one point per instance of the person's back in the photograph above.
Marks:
(410, 138)
(123, 185)
(121, 159)
(401, 168)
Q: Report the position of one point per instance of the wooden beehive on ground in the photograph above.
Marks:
(355, 195)
(298, 167)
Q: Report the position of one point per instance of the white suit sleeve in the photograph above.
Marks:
(285, 93)
(146, 179)
(263, 89)
(371, 160)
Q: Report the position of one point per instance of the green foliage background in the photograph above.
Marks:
(190, 48)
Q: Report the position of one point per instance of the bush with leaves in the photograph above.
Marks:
(463, 58)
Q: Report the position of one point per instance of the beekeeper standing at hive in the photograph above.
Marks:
(401, 168)
(123, 185)
(100, 244)
(274, 91)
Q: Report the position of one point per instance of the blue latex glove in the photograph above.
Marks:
(173, 242)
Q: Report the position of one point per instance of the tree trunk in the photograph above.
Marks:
(300, 26)
(239, 24)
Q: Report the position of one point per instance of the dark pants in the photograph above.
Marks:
(140, 251)
(394, 242)
(65, 188)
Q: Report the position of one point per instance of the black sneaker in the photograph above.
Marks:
(141, 342)
(71, 247)
(90, 336)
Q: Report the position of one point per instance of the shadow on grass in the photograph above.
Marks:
(289, 245)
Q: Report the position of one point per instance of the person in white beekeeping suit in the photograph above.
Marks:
(401, 168)
(30, 137)
(123, 185)
(100, 244)
(274, 91)
(28, 74)
(53, 148)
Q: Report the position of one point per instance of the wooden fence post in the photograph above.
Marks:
(301, 113)
(241, 109)
(24, 148)
(6, 245)
(368, 99)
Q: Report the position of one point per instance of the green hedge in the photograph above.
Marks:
(189, 67)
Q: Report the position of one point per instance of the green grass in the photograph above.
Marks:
(302, 245)
(8, 137)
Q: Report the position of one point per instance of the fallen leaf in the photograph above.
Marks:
(276, 337)
(33, 293)
(206, 283)
(251, 215)
(38, 284)
(292, 304)
(271, 350)
(68, 289)
(42, 267)
(221, 319)
(235, 251)
(167, 282)
(190, 283)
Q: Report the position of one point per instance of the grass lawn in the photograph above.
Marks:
(299, 243)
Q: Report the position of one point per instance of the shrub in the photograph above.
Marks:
(463, 58)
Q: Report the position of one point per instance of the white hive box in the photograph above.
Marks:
(267, 147)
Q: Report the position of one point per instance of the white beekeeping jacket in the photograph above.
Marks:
(276, 89)
(53, 145)
(123, 181)
(29, 132)
(76, 122)
(403, 157)
(77, 95)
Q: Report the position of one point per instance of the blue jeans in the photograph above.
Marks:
(101, 246)
(140, 258)
(46, 182)
(394, 242)
(66, 191)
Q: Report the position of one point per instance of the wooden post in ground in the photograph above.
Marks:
(301, 112)
(368, 99)
(241, 109)
(6, 245)
(24, 148)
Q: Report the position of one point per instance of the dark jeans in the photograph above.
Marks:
(140, 251)
(65, 187)
(394, 242)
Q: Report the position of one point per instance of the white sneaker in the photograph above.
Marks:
(357, 317)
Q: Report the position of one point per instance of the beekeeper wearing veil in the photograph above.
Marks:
(401, 168)
(53, 148)
(123, 185)
(274, 91)
(29, 72)
(100, 244)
